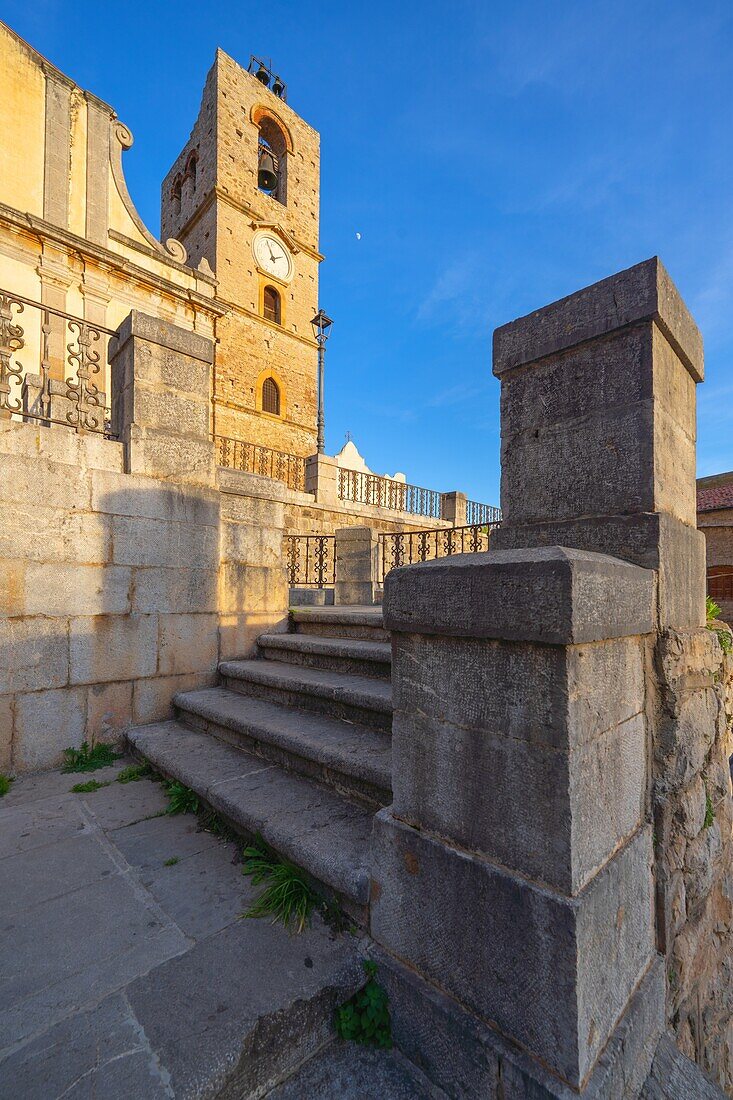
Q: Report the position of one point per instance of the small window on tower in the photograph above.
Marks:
(271, 304)
(270, 397)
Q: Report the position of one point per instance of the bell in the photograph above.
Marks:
(267, 171)
(278, 87)
(262, 75)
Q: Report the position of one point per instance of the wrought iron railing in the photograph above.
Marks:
(481, 513)
(408, 547)
(310, 560)
(67, 353)
(383, 492)
(254, 459)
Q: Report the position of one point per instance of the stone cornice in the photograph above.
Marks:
(260, 223)
(43, 230)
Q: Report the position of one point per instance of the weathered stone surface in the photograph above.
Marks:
(551, 972)
(342, 1071)
(109, 710)
(175, 591)
(644, 292)
(673, 1076)
(557, 596)
(34, 654)
(187, 643)
(152, 699)
(60, 589)
(113, 647)
(102, 1048)
(46, 723)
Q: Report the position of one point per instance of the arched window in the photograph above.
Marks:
(272, 145)
(192, 168)
(270, 397)
(176, 195)
(271, 307)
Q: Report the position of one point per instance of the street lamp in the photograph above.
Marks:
(321, 330)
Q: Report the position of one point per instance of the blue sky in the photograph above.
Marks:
(493, 157)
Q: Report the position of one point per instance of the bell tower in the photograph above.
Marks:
(243, 196)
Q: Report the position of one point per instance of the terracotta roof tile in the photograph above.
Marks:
(717, 496)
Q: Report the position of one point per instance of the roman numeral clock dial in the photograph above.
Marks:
(273, 257)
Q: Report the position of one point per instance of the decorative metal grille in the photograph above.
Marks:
(310, 560)
(68, 346)
(408, 547)
(481, 513)
(382, 492)
(253, 459)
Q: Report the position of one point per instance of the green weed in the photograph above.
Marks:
(365, 1018)
(5, 781)
(287, 896)
(88, 759)
(135, 772)
(89, 786)
(181, 799)
(709, 812)
(712, 615)
(172, 861)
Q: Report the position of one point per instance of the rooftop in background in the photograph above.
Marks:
(715, 492)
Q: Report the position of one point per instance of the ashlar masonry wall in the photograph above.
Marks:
(125, 571)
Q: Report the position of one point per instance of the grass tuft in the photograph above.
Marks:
(88, 759)
(5, 781)
(709, 812)
(181, 799)
(135, 772)
(89, 786)
(172, 861)
(287, 896)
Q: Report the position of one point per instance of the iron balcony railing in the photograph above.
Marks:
(49, 363)
(409, 547)
(382, 492)
(237, 454)
(481, 513)
(310, 560)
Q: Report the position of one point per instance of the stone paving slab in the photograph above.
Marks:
(122, 977)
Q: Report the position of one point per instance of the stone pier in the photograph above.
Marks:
(559, 733)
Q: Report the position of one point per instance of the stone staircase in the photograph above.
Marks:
(294, 745)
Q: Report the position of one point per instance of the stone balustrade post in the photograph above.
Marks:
(321, 478)
(356, 550)
(453, 508)
(161, 399)
(557, 701)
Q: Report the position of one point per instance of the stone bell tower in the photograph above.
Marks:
(243, 196)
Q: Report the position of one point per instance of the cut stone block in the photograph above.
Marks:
(644, 292)
(553, 973)
(557, 595)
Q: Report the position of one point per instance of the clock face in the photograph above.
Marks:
(272, 256)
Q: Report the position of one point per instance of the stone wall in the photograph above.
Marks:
(717, 526)
(109, 593)
(693, 822)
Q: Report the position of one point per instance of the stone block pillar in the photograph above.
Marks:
(453, 508)
(598, 431)
(513, 870)
(552, 707)
(161, 400)
(321, 478)
(356, 550)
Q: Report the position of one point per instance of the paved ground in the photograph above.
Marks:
(121, 976)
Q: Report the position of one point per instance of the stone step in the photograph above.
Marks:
(347, 1071)
(364, 658)
(323, 833)
(341, 622)
(361, 699)
(356, 760)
